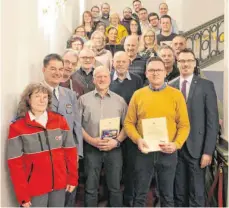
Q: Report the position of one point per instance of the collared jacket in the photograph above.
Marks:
(67, 105)
(41, 159)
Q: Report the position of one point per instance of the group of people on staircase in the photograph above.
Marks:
(118, 73)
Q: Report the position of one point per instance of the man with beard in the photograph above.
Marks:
(137, 63)
(137, 5)
(105, 9)
(95, 11)
(167, 55)
(84, 76)
(154, 22)
(143, 19)
(127, 16)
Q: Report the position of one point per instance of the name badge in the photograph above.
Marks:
(68, 105)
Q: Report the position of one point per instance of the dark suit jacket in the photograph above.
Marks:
(203, 116)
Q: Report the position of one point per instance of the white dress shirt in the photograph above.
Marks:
(42, 119)
(188, 84)
(52, 88)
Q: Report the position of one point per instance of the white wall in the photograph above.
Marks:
(197, 12)
(218, 66)
(24, 46)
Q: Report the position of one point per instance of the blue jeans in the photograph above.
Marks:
(146, 167)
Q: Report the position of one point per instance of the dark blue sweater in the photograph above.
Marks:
(126, 88)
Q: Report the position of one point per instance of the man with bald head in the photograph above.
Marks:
(84, 76)
(125, 83)
(137, 63)
(102, 147)
(178, 44)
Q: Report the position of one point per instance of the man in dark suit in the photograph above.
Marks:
(197, 151)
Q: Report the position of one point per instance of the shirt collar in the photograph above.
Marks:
(33, 117)
(84, 71)
(50, 87)
(97, 93)
(188, 79)
(115, 77)
(159, 89)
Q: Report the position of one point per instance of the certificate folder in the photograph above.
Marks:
(155, 132)
(109, 127)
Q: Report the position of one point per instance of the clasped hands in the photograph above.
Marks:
(168, 148)
(105, 144)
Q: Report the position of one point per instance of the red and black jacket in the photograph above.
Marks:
(41, 159)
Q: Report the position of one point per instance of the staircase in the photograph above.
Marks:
(207, 41)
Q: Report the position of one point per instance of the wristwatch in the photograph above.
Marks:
(118, 142)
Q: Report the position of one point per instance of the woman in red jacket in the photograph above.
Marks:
(42, 155)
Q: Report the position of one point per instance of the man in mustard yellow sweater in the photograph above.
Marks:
(155, 101)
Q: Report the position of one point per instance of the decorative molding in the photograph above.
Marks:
(207, 41)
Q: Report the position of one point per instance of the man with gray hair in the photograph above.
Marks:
(137, 63)
(83, 78)
(105, 10)
(125, 83)
(166, 53)
(127, 17)
(102, 143)
(70, 58)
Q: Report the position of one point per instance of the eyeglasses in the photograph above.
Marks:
(80, 31)
(149, 36)
(189, 61)
(153, 19)
(157, 71)
(67, 62)
(87, 57)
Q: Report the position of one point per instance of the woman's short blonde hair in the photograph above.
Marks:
(142, 40)
(24, 105)
(101, 35)
(114, 15)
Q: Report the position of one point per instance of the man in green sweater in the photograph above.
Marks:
(155, 101)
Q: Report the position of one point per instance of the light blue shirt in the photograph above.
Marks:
(116, 76)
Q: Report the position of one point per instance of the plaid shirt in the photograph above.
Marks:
(138, 66)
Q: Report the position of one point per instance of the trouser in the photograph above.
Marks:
(189, 181)
(129, 155)
(93, 160)
(51, 199)
(71, 199)
(145, 168)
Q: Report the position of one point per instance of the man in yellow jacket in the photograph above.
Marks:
(157, 100)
